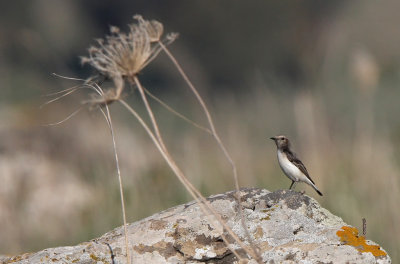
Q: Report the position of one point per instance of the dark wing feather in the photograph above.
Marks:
(292, 158)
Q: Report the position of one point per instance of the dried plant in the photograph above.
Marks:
(153, 28)
(120, 57)
(214, 133)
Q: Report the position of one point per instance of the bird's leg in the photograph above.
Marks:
(291, 185)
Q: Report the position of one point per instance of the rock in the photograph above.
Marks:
(287, 227)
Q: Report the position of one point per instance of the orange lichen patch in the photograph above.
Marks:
(349, 235)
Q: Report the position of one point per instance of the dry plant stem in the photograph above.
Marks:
(173, 111)
(207, 113)
(151, 115)
(221, 145)
(194, 192)
(120, 184)
(364, 229)
(107, 117)
(66, 118)
(68, 92)
(203, 203)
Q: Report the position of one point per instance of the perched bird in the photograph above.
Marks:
(290, 164)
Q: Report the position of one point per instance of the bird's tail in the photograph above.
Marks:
(311, 183)
(315, 188)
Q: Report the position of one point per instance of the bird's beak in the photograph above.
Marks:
(273, 138)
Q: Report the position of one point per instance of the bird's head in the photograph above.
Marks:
(281, 142)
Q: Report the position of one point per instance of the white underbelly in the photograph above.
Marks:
(290, 169)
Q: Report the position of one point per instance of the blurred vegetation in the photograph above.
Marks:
(326, 74)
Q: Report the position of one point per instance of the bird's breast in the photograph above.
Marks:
(288, 167)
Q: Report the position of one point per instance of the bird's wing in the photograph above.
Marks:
(292, 158)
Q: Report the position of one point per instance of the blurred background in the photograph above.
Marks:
(324, 73)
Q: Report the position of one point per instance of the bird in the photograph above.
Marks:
(293, 168)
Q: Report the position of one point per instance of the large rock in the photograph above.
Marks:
(287, 227)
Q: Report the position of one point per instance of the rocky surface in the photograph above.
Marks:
(287, 227)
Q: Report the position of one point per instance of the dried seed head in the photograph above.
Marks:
(154, 28)
(171, 37)
(121, 56)
(114, 30)
(125, 54)
(99, 41)
(84, 60)
(93, 49)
